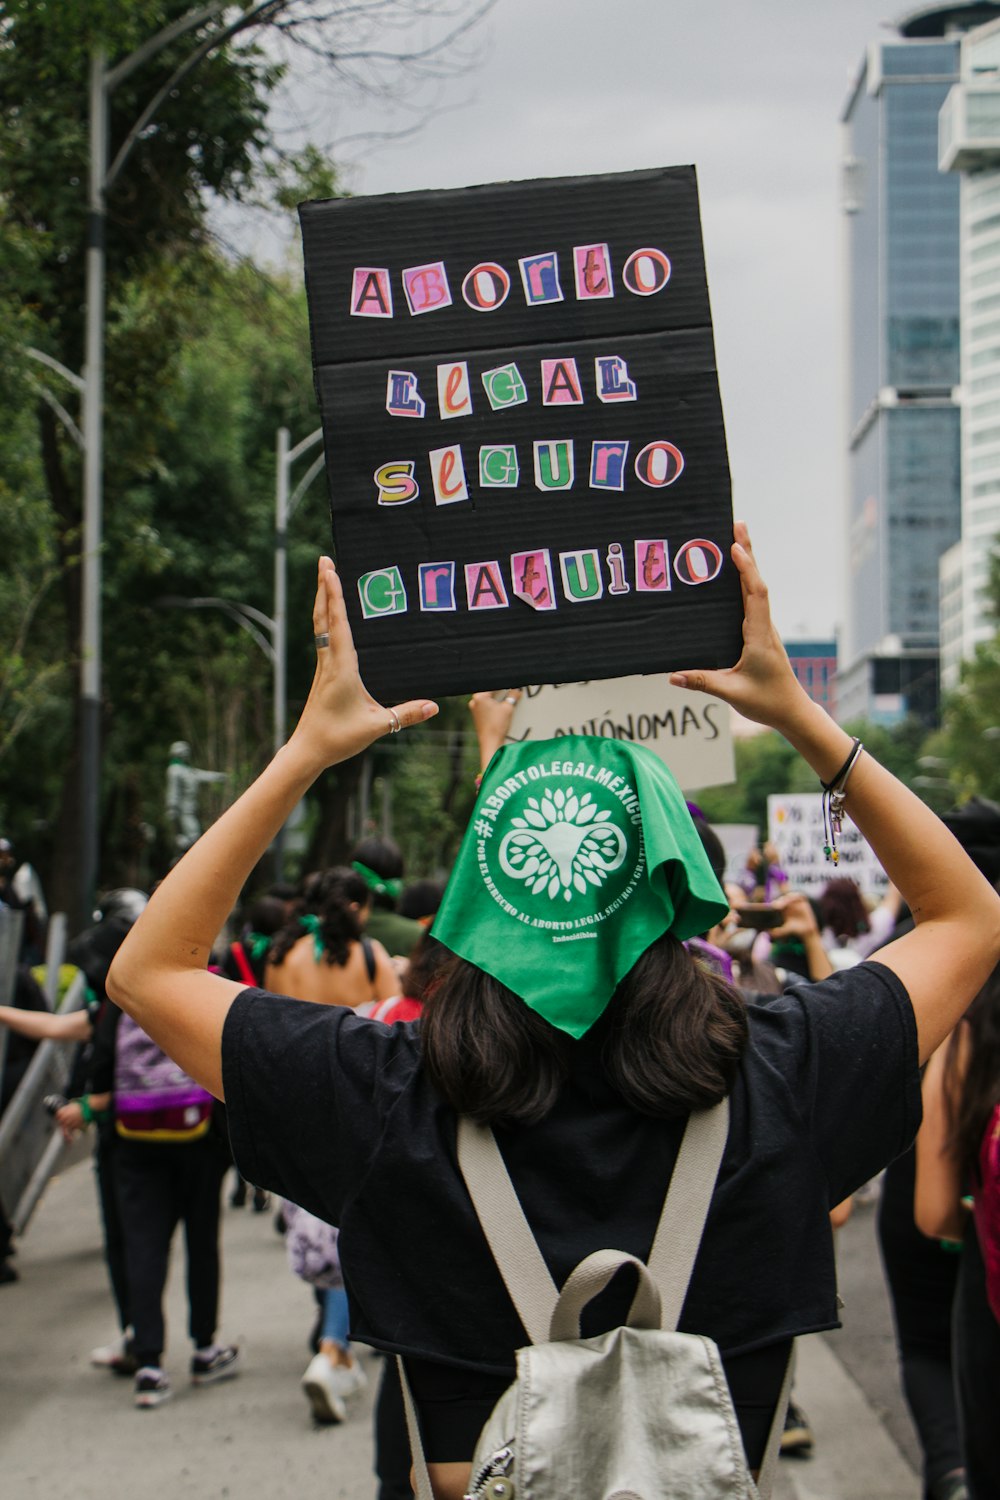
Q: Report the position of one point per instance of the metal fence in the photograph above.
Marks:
(31, 1146)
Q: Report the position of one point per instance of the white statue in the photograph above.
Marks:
(183, 781)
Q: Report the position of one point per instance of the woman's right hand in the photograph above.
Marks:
(762, 685)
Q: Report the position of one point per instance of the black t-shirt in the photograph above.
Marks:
(336, 1113)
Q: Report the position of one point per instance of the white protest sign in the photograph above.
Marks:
(795, 827)
(689, 731)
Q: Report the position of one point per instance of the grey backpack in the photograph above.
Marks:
(640, 1413)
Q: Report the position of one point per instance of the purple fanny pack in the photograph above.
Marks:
(154, 1098)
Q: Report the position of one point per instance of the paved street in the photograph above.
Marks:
(68, 1432)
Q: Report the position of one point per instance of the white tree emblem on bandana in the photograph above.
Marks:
(562, 844)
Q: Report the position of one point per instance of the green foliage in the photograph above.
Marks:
(765, 764)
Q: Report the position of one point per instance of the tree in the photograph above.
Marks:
(969, 741)
(188, 125)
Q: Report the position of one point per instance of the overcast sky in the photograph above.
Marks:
(750, 91)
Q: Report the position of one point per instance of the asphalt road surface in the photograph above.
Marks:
(70, 1432)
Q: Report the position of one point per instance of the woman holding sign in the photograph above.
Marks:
(573, 1020)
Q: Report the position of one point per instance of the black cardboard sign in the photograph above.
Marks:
(524, 438)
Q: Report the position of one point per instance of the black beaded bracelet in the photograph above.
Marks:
(834, 794)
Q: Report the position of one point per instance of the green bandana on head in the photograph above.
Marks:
(580, 853)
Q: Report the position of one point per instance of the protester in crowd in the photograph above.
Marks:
(420, 901)
(957, 1152)
(246, 959)
(21, 890)
(91, 951)
(29, 1003)
(588, 1081)
(333, 1375)
(169, 1159)
(379, 862)
(324, 953)
(850, 931)
(429, 957)
(762, 877)
(921, 1273)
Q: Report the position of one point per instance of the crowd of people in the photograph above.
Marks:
(392, 1012)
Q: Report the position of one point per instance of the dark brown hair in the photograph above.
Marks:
(672, 1039)
(969, 1109)
(328, 895)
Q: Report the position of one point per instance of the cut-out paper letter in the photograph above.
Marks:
(498, 467)
(484, 586)
(554, 464)
(616, 567)
(448, 474)
(402, 399)
(540, 278)
(486, 286)
(371, 292)
(382, 593)
(607, 465)
(396, 484)
(437, 586)
(454, 396)
(613, 383)
(531, 578)
(652, 567)
(592, 269)
(659, 464)
(698, 561)
(646, 272)
(561, 383)
(426, 288)
(504, 387)
(581, 575)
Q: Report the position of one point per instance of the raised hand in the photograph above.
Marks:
(341, 718)
(762, 685)
(492, 714)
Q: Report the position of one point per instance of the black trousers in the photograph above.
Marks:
(111, 1221)
(977, 1374)
(392, 1445)
(921, 1278)
(160, 1186)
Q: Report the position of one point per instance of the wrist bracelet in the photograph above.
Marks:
(834, 795)
(85, 1109)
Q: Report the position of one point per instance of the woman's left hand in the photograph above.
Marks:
(341, 718)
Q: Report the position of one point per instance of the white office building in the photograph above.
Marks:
(969, 143)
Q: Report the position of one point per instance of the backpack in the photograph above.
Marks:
(640, 1413)
(312, 1247)
(154, 1099)
(987, 1209)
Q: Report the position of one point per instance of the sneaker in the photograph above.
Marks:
(119, 1357)
(797, 1438)
(328, 1386)
(217, 1363)
(152, 1387)
(951, 1487)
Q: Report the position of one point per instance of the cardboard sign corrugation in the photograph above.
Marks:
(666, 343)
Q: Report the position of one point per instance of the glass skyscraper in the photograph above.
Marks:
(903, 366)
(970, 146)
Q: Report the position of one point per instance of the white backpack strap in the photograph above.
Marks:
(682, 1222)
(424, 1488)
(508, 1234)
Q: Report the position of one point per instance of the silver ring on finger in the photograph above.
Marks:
(394, 724)
(511, 698)
(321, 641)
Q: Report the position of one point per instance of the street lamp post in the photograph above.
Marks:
(285, 506)
(103, 80)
